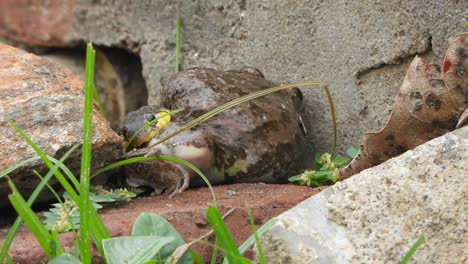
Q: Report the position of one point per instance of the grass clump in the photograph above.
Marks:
(326, 169)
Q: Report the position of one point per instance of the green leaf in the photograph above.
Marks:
(101, 198)
(65, 258)
(340, 161)
(154, 225)
(466, 24)
(295, 179)
(223, 236)
(133, 249)
(352, 152)
(316, 161)
(412, 250)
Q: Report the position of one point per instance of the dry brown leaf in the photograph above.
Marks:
(428, 105)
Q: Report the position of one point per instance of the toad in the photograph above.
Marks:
(258, 141)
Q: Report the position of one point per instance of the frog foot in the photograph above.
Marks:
(183, 183)
(153, 152)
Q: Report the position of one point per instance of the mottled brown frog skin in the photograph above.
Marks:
(257, 141)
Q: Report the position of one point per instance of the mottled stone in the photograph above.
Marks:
(46, 102)
(378, 214)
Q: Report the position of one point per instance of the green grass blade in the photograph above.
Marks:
(262, 230)
(413, 249)
(85, 203)
(164, 158)
(214, 255)
(333, 114)
(16, 225)
(178, 66)
(31, 220)
(233, 103)
(67, 172)
(223, 235)
(62, 180)
(16, 166)
(99, 231)
(261, 256)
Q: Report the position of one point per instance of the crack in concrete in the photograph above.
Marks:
(399, 59)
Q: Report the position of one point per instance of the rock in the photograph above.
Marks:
(117, 79)
(378, 214)
(186, 212)
(46, 102)
(360, 48)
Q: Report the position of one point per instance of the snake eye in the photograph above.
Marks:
(149, 117)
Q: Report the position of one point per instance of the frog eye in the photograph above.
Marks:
(149, 117)
(123, 131)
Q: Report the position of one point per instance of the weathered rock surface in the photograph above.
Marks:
(360, 48)
(377, 215)
(46, 102)
(186, 212)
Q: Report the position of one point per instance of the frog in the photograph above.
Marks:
(261, 140)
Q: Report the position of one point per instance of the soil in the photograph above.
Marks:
(186, 212)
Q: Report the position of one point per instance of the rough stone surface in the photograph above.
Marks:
(377, 215)
(360, 48)
(46, 102)
(44, 23)
(186, 212)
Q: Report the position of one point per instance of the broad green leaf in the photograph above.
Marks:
(65, 258)
(133, 249)
(154, 225)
